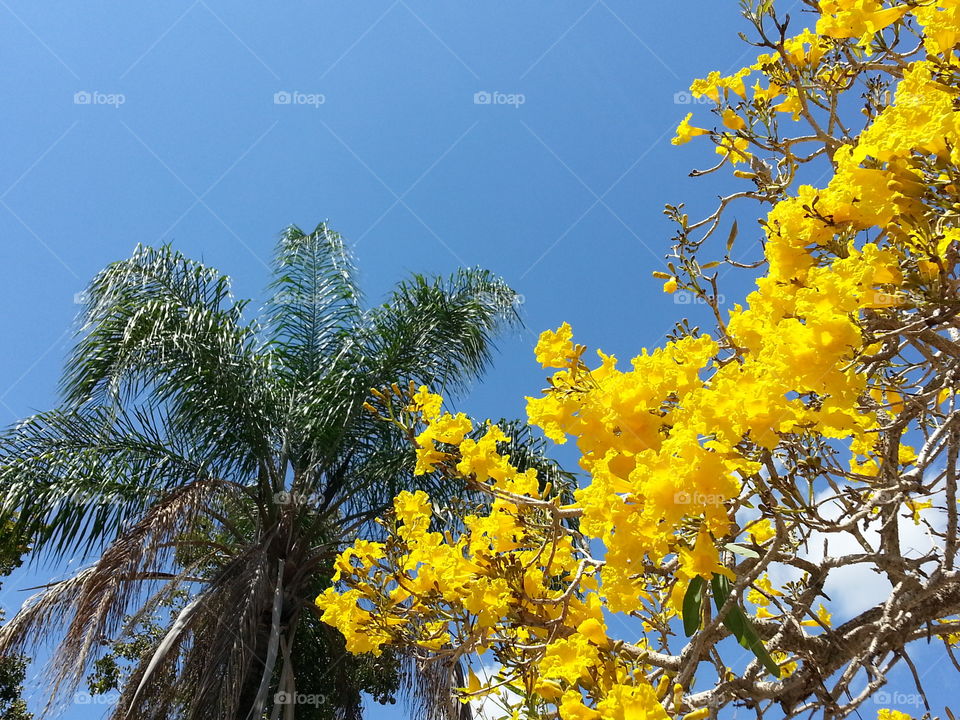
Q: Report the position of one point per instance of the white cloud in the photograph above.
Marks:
(855, 588)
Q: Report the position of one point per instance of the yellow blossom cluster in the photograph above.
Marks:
(679, 441)
(512, 582)
(857, 18)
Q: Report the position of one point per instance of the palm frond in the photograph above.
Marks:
(212, 659)
(181, 421)
(316, 300)
(431, 690)
(167, 326)
(440, 331)
(435, 331)
(71, 479)
(94, 602)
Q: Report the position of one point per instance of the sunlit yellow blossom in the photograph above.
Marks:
(686, 132)
(697, 443)
(732, 120)
(703, 559)
(554, 348)
(889, 714)
(915, 506)
(427, 403)
(856, 18)
(823, 615)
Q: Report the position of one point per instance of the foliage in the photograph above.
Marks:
(805, 437)
(228, 459)
(13, 668)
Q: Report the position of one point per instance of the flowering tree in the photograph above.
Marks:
(731, 476)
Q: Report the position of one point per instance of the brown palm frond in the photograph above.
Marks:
(107, 594)
(430, 688)
(152, 687)
(94, 602)
(42, 612)
(210, 660)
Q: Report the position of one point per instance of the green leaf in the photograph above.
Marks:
(753, 642)
(741, 550)
(740, 626)
(721, 591)
(692, 601)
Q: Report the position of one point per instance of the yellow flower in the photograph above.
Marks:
(568, 659)
(787, 666)
(761, 531)
(888, 714)
(412, 507)
(823, 615)
(593, 630)
(550, 415)
(734, 148)
(928, 269)
(856, 18)
(632, 702)
(703, 559)
(481, 459)
(448, 429)
(572, 708)
(555, 347)
(763, 584)
(706, 87)
(426, 403)
(685, 131)
(668, 441)
(915, 506)
(428, 457)
(732, 120)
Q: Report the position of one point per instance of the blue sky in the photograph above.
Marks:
(167, 122)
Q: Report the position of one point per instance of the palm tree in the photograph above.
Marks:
(198, 453)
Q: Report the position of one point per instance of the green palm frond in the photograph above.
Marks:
(71, 479)
(327, 414)
(316, 300)
(436, 331)
(107, 358)
(440, 331)
(165, 326)
(93, 603)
